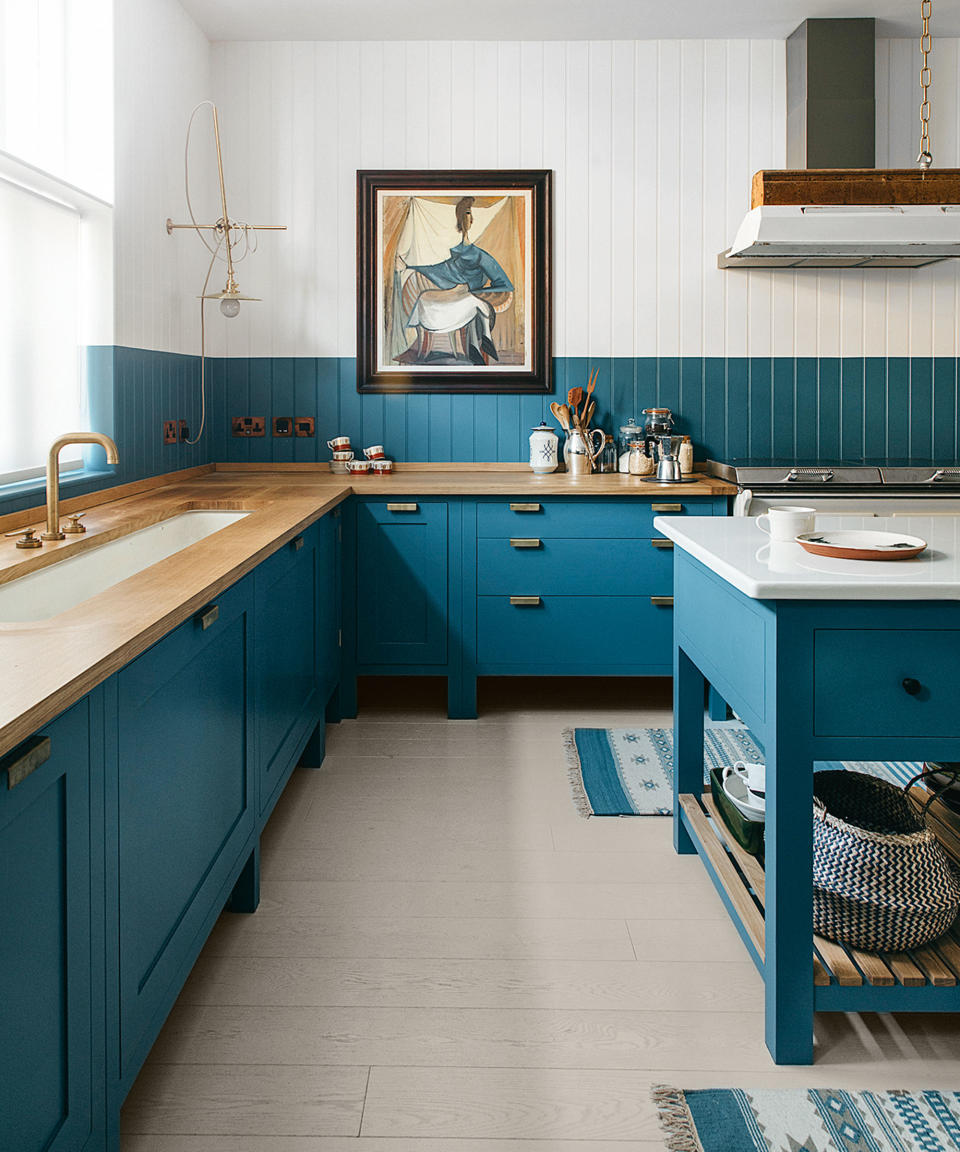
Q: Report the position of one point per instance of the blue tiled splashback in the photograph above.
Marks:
(737, 406)
(807, 407)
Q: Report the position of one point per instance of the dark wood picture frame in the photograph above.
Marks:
(459, 369)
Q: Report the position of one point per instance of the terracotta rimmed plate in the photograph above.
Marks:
(850, 544)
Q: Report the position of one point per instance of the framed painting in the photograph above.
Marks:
(453, 281)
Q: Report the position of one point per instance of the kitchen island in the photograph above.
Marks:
(823, 659)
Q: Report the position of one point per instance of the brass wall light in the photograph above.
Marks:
(230, 241)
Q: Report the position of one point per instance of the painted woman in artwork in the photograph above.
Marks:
(448, 309)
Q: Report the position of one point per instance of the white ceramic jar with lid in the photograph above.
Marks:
(544, 444)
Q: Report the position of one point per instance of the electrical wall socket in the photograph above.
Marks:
(304, 425)
(248, 425)
(183, 431)
(283, 425)
(169, 431)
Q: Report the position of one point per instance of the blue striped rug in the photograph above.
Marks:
(807, 1120)
(629, 771)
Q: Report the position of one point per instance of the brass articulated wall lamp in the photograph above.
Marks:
(230, 241)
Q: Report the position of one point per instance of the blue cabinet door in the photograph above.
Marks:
(183, 808)
(328, 601)
(287, 663)
(402, 583)
(45, 939)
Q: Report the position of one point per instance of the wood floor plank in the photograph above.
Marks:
(475, 1038)
(373, 1144)
(343, 899)
(231, 1099)
(530, 1104)
(433, 937)
(385, 860)
(503, 984)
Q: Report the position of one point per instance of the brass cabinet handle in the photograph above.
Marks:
(208, 616)
(519, 542)
(403, 507)
(666, 507)
(26, 759)
(662, 543)
(296, 543)
(662, 601)
(525, 601)
(526, 507)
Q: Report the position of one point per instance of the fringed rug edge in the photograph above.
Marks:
(575, 773)
(680, 1132)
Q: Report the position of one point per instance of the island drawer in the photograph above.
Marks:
(880, 682)
(618, 518)
(572, 631)
(562, 566)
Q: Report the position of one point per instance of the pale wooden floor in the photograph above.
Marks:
(447, 958)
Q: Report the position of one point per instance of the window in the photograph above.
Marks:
(56, 173)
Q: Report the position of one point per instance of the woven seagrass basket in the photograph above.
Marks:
(881, 880)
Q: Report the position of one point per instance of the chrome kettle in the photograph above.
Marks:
(668, 466)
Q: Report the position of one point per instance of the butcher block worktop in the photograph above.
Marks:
(50, 664)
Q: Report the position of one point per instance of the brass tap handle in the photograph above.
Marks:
(75, 527)
(28, 538)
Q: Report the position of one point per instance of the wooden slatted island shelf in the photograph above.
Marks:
(741, 877)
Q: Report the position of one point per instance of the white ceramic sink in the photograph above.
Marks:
(68, 582)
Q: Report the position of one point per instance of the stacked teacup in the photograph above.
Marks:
(344, 461)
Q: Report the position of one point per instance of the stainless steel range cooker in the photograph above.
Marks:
(860, 487)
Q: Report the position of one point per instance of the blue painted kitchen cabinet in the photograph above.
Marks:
(296, 653)
(181, 808)
(50, 1085)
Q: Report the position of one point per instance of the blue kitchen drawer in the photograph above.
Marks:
(859, 677)
(619, 517)
(561, 566)
(574, 633)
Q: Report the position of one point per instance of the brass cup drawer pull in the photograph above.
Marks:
(520, 542)
(666, 507)
(208, 616)
(662, 601)
(525, 601)
(26, 759)
(403, 507)
(296, 543)
(662, 543)
(526, 507)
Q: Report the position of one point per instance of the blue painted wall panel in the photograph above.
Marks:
(806, 407)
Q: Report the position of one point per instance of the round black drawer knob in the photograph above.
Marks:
(911, 687)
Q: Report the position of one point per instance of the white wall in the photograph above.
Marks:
(653, 144)
(162, 72)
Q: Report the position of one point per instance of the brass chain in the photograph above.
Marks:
(925, 159)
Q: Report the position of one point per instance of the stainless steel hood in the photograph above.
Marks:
(832, 208)
(845, 236)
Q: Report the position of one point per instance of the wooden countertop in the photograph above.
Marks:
(48, 665)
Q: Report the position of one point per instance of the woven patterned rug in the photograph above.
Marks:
(808, 1120)
(629, 771)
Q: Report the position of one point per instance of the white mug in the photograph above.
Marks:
(787, 522)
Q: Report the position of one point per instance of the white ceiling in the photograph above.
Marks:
(543, 20)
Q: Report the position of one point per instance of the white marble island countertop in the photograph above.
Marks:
(736, 549)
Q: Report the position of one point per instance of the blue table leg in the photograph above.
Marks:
(716, 705)
(788, 943)
(688, 686)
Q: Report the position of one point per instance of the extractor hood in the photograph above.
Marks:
(839, 211)
(845, 236)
